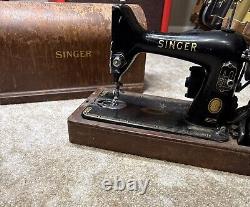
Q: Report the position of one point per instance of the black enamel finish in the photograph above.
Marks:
(218, 52)
(151, 113)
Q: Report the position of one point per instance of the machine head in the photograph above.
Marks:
(126, 34)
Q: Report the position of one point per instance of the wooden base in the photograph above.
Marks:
(57, 94)
(228, 156)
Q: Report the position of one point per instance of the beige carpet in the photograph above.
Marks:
(39, 167)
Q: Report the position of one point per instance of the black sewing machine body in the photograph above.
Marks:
(220, 55)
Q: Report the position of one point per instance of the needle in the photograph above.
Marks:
(116, 93)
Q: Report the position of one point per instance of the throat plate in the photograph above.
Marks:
(149, 112)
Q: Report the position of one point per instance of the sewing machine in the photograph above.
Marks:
(209, 132)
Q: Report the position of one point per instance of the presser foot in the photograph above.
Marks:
(150, 113)
(115, 103)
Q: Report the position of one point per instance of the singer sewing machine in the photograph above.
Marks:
(211, 131)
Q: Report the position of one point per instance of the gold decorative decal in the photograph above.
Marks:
(87, 110)
(103, 93)
(215, 106)
(178, 45)
(73, 54)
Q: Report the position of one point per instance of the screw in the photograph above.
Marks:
(117, 62)
(230, 65)
(230, 83)
(222, 130)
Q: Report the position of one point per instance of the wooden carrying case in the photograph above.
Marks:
(52, 51)
(153, 9)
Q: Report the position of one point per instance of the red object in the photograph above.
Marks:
(59, 1)
(166, 15)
